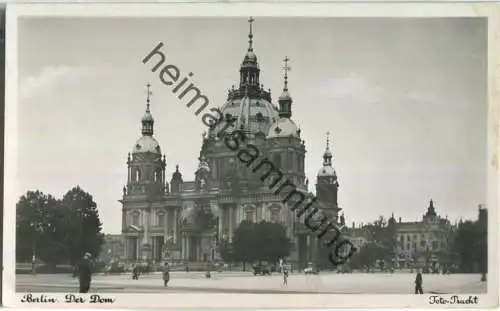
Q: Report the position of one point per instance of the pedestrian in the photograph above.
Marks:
(166, 274)
(285, 276)
(85, 273)
(418, 283)
(135, 272)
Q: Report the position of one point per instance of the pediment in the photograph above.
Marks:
(133, 229)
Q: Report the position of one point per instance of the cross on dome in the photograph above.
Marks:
(149, 93)
(327, 156)
(287, 69)
(250, 35)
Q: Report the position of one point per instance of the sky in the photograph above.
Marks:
(404, 100)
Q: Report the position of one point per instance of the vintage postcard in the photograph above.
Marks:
(251, 156)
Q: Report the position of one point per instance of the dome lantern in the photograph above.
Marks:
(147, 119)
(285, 100)
(327, 169)
(147, 143)
(249, 70)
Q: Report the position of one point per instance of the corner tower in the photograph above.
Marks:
(286, 148)
(146, 167)
(327, 185)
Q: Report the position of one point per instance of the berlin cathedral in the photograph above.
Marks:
(185, 220)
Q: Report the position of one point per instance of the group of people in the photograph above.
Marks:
(165, 273)
(84, 272)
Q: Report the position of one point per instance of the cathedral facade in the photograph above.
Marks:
(186, 220)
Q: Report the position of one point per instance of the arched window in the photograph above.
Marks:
(277, 160)
(249, 216)
(289, 161)
(160, 220)
(135, 218)
(137, 175)
(249, 213)
(157, 176)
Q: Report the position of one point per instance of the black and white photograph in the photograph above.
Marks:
(251, 154)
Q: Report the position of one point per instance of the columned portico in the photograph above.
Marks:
(133, 237)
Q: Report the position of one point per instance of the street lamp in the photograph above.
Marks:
(33, 256)
(35, 225)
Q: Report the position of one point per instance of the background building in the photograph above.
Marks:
(428, 237)
(112, 249)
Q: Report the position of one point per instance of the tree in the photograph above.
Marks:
(483, 251)
(263, 241)
(244, 242)
(366, 257)
(57, 231)
(271, 241)
(36, 228)
(382, 233)
(82, 224)
(467, 246)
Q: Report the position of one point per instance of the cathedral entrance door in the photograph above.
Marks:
(303, 250)
(132, 248)
(158, 242)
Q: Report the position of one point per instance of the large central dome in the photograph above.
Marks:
(254, 115)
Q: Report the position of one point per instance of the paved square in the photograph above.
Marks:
(246, 282)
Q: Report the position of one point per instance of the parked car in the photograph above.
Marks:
(311, 269)
(261, 269)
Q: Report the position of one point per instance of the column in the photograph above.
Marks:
(153, 247)
(164, 225)
(314, 249)
(188, 250)
(308, 247)
(230, 225)
(146, 227)
(137, 249)
(175, 225)
(183, 247)
(125, 247)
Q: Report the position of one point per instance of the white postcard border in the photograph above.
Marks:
(194, 300)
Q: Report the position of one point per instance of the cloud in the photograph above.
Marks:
(51, 77)
(353, 87)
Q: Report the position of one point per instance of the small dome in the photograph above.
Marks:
(147, 117)
(203, 166)
(147, 144)
(250, 59)
(283, 127)
(285, 96)
(327, 153)
(327, 171)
